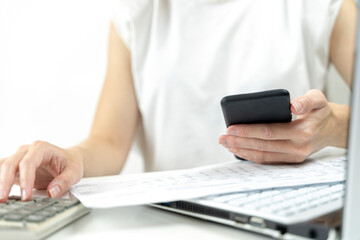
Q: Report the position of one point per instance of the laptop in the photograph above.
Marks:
(320, 211)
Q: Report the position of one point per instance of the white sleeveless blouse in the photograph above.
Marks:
(187, 54)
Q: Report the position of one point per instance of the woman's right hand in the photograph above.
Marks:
(40, 165)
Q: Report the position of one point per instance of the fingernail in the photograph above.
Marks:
(223, 142)
(2, 195)
(23, 195)
(232, 132)
(298, 106)
(54, 191)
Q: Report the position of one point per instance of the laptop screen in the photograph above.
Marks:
(351, 219)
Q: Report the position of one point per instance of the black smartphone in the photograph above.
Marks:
(272, 106)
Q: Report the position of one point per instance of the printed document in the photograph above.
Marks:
(233, 176)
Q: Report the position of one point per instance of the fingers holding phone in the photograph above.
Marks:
(264, 143)
(283, 142)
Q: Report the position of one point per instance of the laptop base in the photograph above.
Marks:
(309, 230)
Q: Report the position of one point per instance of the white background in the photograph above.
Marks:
(52, 65)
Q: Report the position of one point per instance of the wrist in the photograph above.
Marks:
(340, 125)
(76, 156)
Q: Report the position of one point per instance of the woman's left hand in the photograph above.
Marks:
(318, 124)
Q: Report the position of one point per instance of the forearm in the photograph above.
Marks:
(105, 150)
(100, 157)
(338, 135)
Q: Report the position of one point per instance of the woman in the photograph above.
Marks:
(169, 64)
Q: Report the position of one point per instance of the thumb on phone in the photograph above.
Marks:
(312, 100)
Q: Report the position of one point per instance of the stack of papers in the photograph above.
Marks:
(233, 176)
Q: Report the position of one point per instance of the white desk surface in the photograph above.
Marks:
(143, 222)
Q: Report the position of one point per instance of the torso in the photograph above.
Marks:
(187, 55)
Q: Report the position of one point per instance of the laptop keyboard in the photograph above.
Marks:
(37, 217)
(284, 201)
